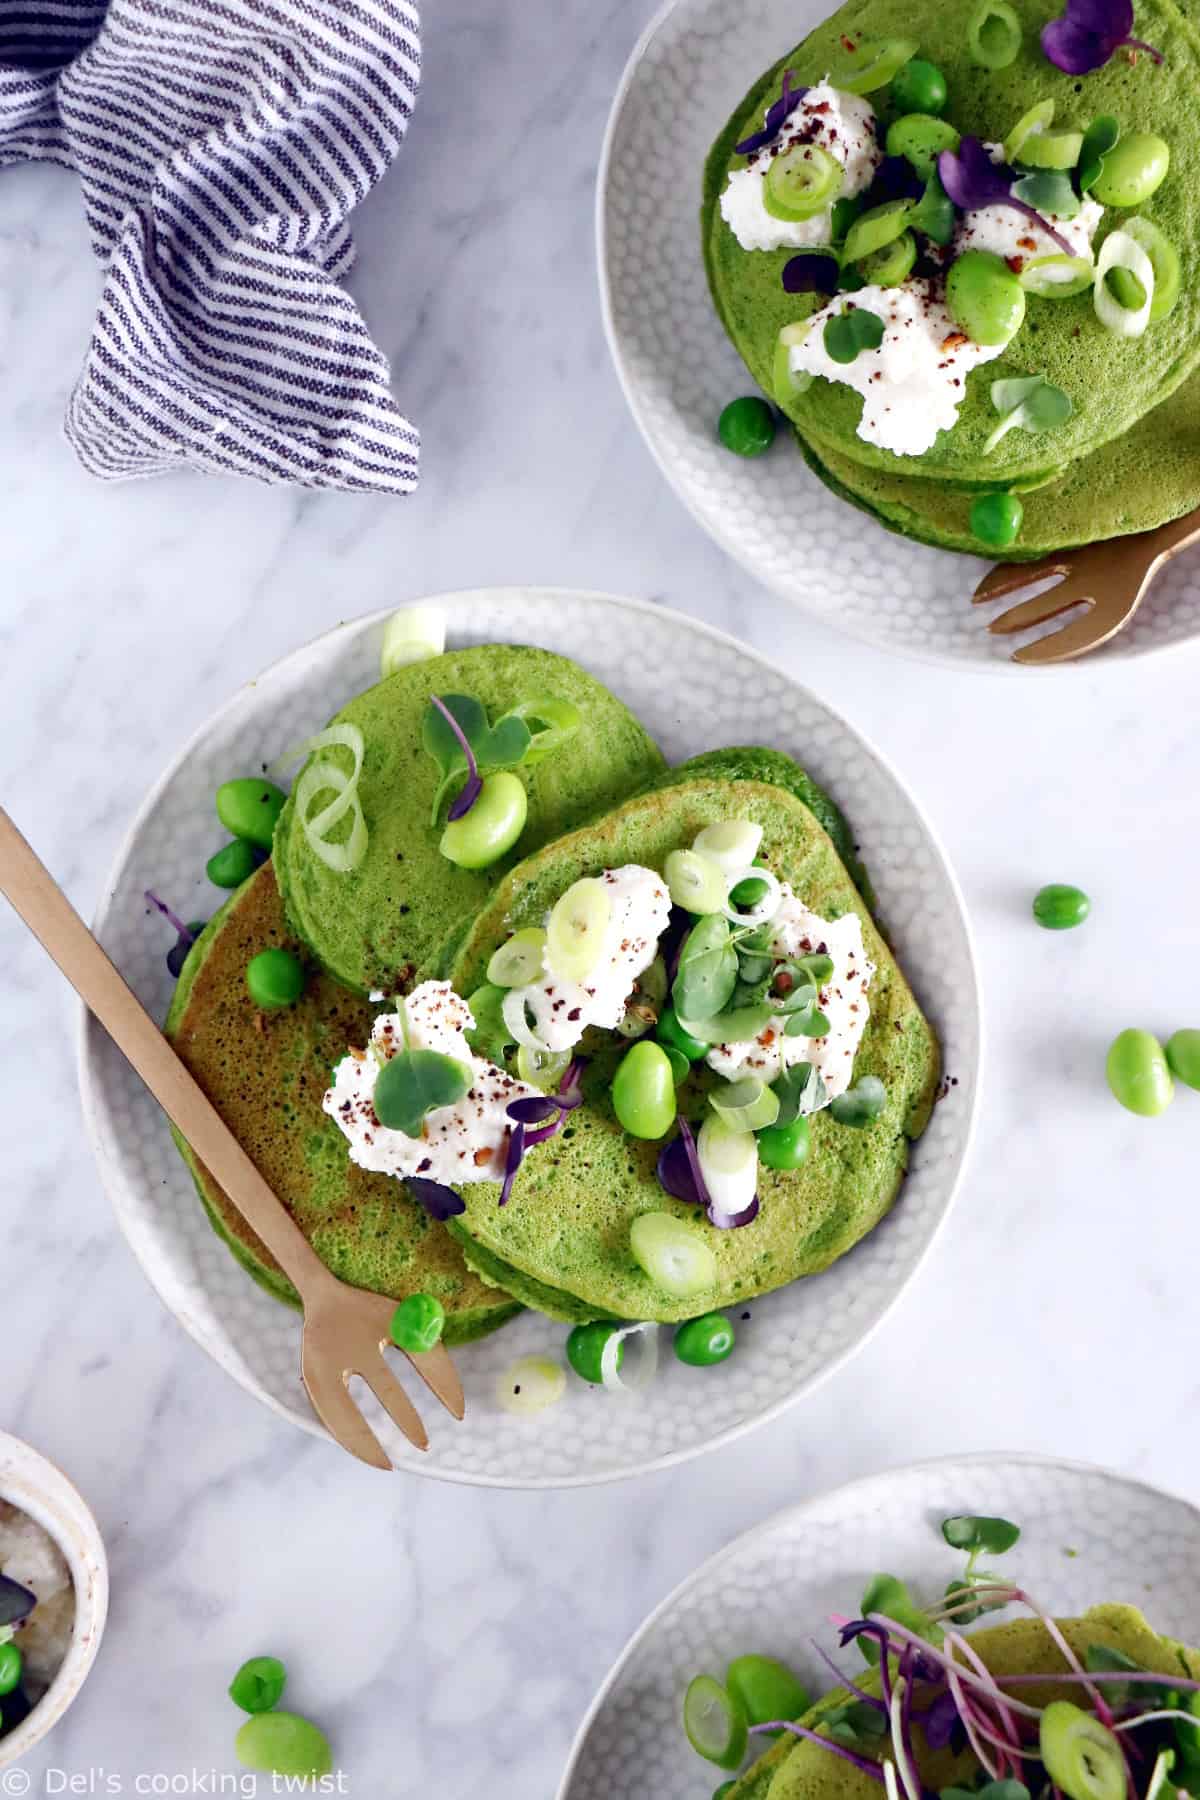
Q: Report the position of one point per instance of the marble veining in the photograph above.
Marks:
(451, 1639)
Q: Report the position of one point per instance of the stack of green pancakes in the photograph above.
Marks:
(406, 916)
(1127, 458)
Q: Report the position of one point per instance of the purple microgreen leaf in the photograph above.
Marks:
(466, 799)
(16, 1602)
(439, 1201)
(941, 1723)
(895, 179)
(732, 1221)
(679, 1171)
(778, 113)
(973, 180)
(811, 272)
(570, 1092)
(1089, 33)
(512, 1162)
(534, 1109)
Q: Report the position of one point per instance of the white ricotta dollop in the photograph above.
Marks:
(459, 1143)
(913, 384)
(843, 125)
(798, 932)
(1015, 236)
(561, 1011)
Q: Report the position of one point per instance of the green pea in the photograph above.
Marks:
(747, 426)
(1133, 169)
(232, 865)
(248, 809)
(920, 87)
(984, 297)
(767, 1690)
(749, 892)
(704, 1341)
(258, 1685)
(920, 138)
(643, 1091)
(11, 1664)
(676, 1038)
(274, 978)
(1060, 907)
(418, 1323)
(1183, 1057)
(282, 1743)
(996, 519)
(784, 1146)
(491, 828)
(1138, 1073)
(585, 1347)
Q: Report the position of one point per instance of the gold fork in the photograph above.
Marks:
(1109, 578)
(345, 1329)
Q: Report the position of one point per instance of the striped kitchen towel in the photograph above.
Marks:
(222, 145)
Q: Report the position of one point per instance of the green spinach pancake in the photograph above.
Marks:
(563, 1240)
(386, 923)
(928, 287)
(266, 1074)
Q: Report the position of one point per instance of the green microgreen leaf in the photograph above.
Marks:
(860, 1105)
(1100, 137)
(801, 1091)
(810, 1022)
(979, 1534)
(887, 1594)
(1049, 192)
(707, 972)
(490, 1037)
(854, 1722)
(849, 332)
(1007, 1789)
(1027, 403)
(965, 1585)
(504, 745)
(416, 1082)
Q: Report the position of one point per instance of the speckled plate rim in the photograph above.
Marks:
(712, 527)
(787, 1516)
(88, 1033)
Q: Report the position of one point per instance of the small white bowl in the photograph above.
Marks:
(27, 1480)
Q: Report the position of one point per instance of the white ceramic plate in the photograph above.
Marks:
(692, 66)
(1086, 1537)
(694, 689)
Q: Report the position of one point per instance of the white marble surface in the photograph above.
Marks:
(451, 1639)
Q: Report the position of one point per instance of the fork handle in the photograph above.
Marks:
(1176, 535)
(35, 895)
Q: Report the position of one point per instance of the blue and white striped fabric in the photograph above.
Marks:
(222, 145)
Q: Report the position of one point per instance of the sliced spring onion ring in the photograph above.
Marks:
(318, 778)
(412, 634)
(801, 181)
(1164, 258)
(542, 1068)
(1057, 277)
(695, 881)
(763, 909)
(1121, 251)
(576, 929)
(617, 1380)
(1052, 149)
(513, 1012)
(786, 384)
(518, 961)
(734, 842)
(873, 63)
(348, 737)
(530, 1385)
(729, 1164)
(1038, 118)
(746, 1105)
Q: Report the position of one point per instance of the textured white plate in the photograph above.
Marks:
(1086, 1537)
(694, 689)
(692, 66)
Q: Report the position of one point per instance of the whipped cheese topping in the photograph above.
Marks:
(1015, 237)
(843, 125)
(561, 1011)
(913, 384)
(799, 932)
(459, 1143)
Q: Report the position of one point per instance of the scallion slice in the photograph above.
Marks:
(1057, 277)
(993, 35)
(1121, 253)
(801, 181)
(530, 1385)
(613, 1373)
(787, 383)
(413, 634)
(764, 908)
(321, 777)
(873, 63)
(1052, 149)
(512, 1010)
(1164, 260)
(734, 842)
(1038, 118)
(879, 226)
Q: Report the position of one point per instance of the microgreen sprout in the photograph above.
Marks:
(456, 733)
(973, 180)
(1027, 403)
(778, 113)
(1089, 33)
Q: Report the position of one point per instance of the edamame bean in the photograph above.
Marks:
(282, 1743)
(248, 809)
(784, 1146)
(702, 1342)
(1183, 1057)
(258, 1685)
(1060, 907)
(11, 1664)
(491, 828)
(747, 426)
(1138, 1074)
(229, 867)
(672, 1033)
(767, 1690)
(1133, 169)
(984, 297)
(274, 978)
(643, 1091)
(996, 519)
(585, 1347)
(920, 87)
(418, 1323)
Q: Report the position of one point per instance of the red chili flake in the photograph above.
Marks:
(574, 1013)
(848, 43)
(955, 341)
(1016, 263)
(1027, 243)
(481, 1157)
